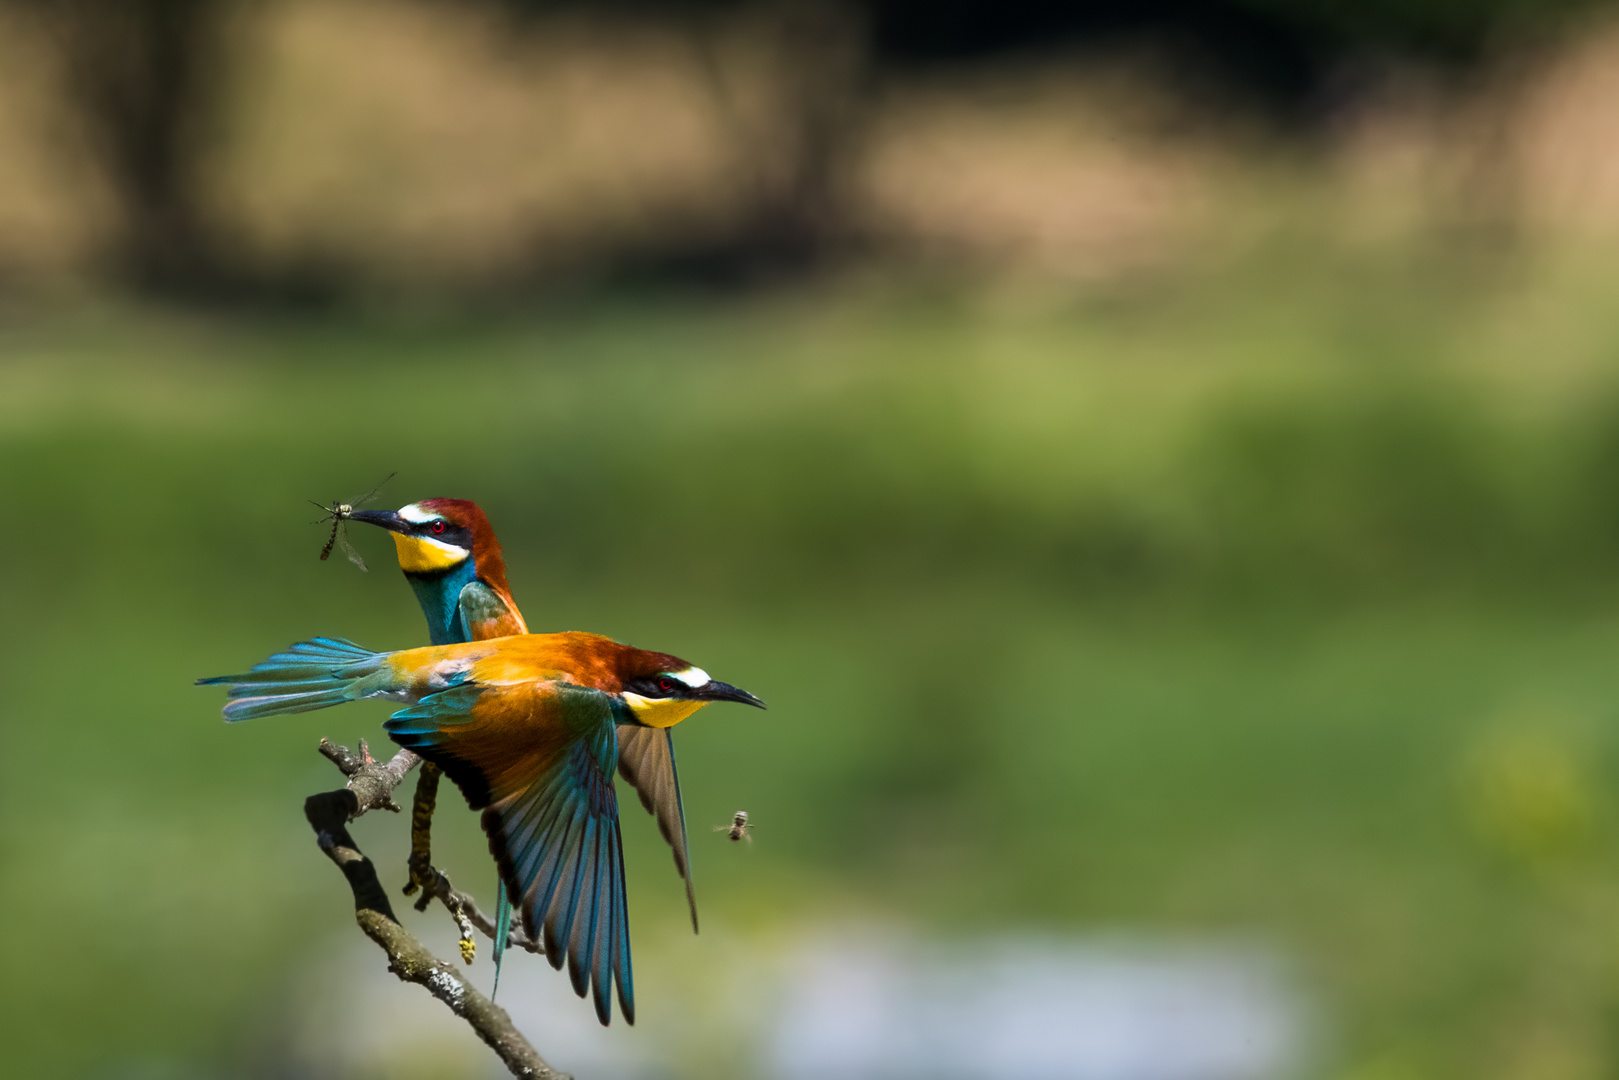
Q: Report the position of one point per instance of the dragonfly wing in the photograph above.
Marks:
(348, 549)
(373, 493)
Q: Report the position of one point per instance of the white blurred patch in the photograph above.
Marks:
(1037, 1010)
(364, 1022)
(839, 1001)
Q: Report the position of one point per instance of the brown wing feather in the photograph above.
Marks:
(646, 758)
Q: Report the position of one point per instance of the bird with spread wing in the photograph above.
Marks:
(454, 563)
(526, 726)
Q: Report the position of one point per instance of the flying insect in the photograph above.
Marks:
(739, 828)
(340, 514)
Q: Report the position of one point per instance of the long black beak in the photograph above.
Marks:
(385, 518)
(714, 690)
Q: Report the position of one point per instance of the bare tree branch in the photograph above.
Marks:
(370, 787)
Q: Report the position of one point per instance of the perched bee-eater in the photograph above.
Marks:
(453, 562)
(526, 727)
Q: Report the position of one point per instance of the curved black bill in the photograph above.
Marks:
(387, 519)
(714, 690)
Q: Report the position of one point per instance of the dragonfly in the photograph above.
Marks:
(339, 514)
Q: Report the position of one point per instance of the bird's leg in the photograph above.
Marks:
(422, 873)
(424, 876)
(433, 882)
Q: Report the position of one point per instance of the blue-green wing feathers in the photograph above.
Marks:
(421, 724)
(561, 856)
(554, 835)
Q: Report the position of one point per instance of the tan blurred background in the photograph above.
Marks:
(390, 148)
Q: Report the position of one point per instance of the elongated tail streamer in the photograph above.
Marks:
(503, 930)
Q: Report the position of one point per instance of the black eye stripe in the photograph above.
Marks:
(445, 531)
(656, 686)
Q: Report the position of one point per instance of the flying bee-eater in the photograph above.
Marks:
(526, 727)
(453, 561)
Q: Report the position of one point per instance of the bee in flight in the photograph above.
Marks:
(739, 827)
(339, 514)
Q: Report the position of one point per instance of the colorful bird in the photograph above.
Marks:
(451, 558)
(526, 727)
(453, 562)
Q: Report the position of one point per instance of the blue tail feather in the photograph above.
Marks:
(503, 930)
(310, 675)
(252, 708)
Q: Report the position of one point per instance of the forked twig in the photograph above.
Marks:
(370, 787)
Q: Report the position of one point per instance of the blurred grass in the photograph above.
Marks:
(1278, 600)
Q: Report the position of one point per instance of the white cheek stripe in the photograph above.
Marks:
(414, 514)
(692, 677)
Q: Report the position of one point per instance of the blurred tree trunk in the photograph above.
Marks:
(797, 154)
(822, 57)
(144, 77)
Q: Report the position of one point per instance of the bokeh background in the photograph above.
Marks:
(1160, 462)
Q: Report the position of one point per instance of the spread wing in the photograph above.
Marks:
(646, 758)
(538, 759)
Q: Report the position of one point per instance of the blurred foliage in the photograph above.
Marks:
(1533, 797)
(1233, 604)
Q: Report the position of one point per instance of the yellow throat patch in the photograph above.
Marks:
(662, 712)
(421, 555)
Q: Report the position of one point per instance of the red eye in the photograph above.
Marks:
(666, 685)
(438, 526)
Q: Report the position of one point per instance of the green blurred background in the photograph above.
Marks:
(1169, 499)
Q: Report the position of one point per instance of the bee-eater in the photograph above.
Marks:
(463, 592)
(526, 727)
(453, 561)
